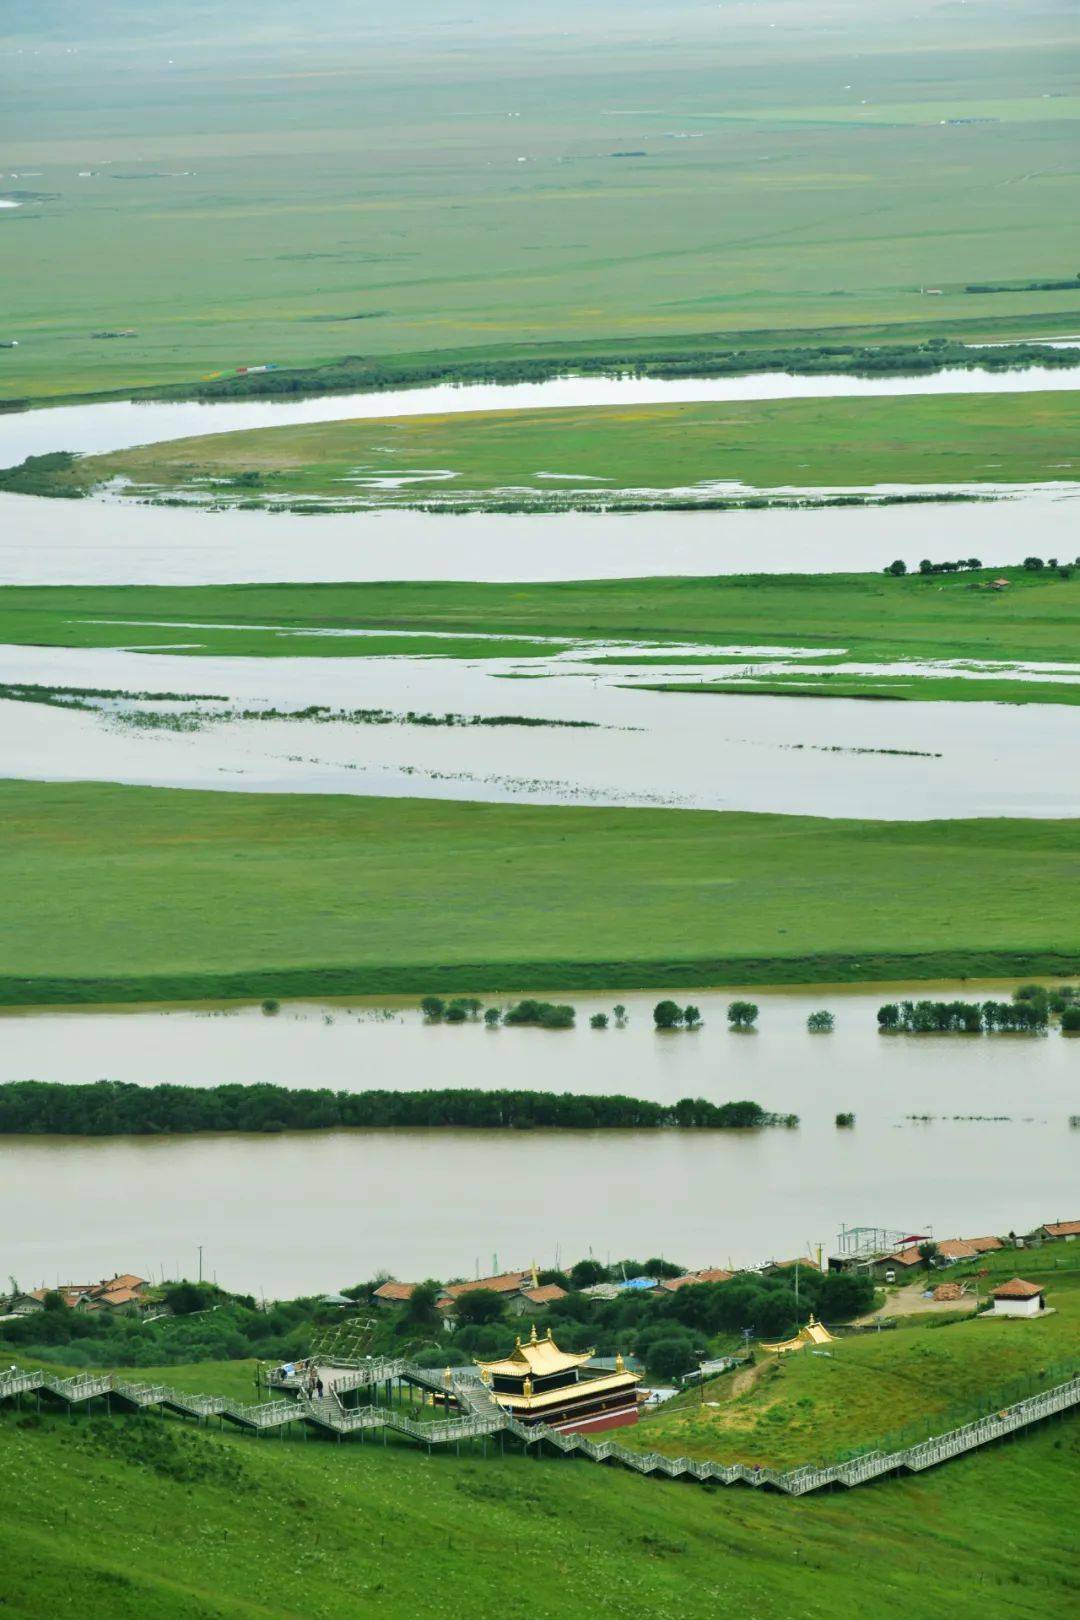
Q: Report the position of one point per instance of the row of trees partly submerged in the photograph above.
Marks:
(116, 1108)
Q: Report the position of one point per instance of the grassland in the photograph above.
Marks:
(124, 1518)
(141, 894)
(250, 187)
(893, 1387)
(605, 456)
(870, 617)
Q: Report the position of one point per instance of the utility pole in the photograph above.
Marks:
(200, 1262)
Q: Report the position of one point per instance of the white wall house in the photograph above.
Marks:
(1018, 1298)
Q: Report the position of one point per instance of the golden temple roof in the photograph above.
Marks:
(536, 1358)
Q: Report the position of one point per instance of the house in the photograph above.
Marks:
(1018, 1298)
(508, 1282)
(894, 1267)
(124, 1292)
(952, 1250)
(775, 1267)
(390, 1294)
(984, 1245)
(1069, 1230)
(711, 1274)
(530, 1301)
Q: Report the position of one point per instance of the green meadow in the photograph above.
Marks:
(861, 616)
(202, 192)
(127, 893)
(605, 456)
(124, 1518)
(878, 1390)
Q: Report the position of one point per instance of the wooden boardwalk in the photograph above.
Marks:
(481, 1417)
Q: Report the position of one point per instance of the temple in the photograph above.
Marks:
(539, 1383)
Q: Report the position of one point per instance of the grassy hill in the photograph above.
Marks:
(123, 1518)
(891, 1388)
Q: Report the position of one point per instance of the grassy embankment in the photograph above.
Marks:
(610, 456)
(128, 893)
(873, 618)
(891, 1388)
(357, 209)
(121, 1518)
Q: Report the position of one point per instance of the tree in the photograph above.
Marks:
(926, 566)
(667, 1015)
(584, 1273)
(433, 1007)
(1033, 564)
(478, 1306)
(620, 1014)
(897, 568)
(742, 1015)
(420, 1306)
(671, 1357)
(492, 1017)
(53, 1301)
(270, 1006)
(928, 1251)
(1070, 1019)
(598, 1021)
(820, 1023)
(844, 1295)
(692, 1017)
(888, 1017)
(455, 1013)
(845, 1121)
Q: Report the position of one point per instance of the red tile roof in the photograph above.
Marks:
(395, 1291)
(984, 1245)
(711, 1275)
(1017, 1288)
(509, 1282)
(905, 1257)
(118, 1296)
(1062, 1228)
(545, 1294)
(956, 1249)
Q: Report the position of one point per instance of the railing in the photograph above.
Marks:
(482, 1416)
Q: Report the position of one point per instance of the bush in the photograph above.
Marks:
(492, 1017)
(455, 1013)
(1070, 1019)
(667, 1015)
(433, 1007)
(742, 1015)
(544, 1014)
(598, 1021)
(845, 1121)
(820, 1023)
(270, 1006)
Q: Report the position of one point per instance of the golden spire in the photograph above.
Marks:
(532, 1340)
(527, 1387)
(551, 1337)
(535, 1276)
(517, 1342)
(620, 1364)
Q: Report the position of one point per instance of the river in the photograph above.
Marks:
(297, 1212)
(625, 745)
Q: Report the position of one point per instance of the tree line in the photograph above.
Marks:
(117, 1108)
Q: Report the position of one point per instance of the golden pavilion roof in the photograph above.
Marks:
(536, 1358)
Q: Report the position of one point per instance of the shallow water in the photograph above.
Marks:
(806, 756)
(97, 429)
(50, 542)
(422, 1202)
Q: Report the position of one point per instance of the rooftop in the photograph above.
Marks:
(536, 1358)
(1017, 1288)
(1062, 1228)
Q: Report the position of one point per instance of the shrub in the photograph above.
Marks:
(492, 1017)
(742, 1015)
(671, 1357)
(433, 1007)
(455, 1013)
(667, 1015)
(692, 1017)
(544, 1014)
(845, 1121)
(270, 1006)
(598, 1021)
(1070, 1019)
(820, 1023)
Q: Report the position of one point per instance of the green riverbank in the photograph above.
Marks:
(600, 457)
(128, 894)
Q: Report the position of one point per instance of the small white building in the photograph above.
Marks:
(1018, 1298)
